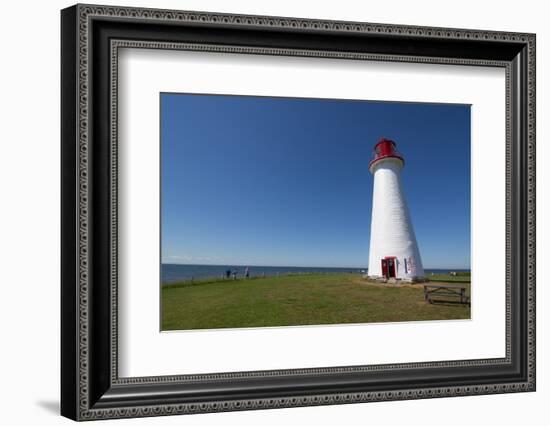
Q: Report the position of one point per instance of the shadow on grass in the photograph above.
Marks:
(449, 303)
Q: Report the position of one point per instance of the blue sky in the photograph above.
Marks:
(285, 181)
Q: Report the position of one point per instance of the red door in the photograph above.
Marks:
(384, 268)
(391, 268)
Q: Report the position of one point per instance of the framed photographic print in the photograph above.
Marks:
(263, 212)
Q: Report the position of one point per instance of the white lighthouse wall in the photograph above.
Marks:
(392, 232)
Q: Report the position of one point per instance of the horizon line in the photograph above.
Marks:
(290, 266)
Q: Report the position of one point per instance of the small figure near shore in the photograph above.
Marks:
(227, 273)
(235, 273)
(246, 272)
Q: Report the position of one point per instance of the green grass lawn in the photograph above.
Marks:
(444, 278)
(297, 300)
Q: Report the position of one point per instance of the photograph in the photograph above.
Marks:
(279, 211)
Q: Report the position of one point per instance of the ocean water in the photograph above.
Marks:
(172, 273)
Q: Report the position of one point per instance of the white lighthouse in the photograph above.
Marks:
(393, 247)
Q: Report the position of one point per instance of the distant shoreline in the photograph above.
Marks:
(244, 265)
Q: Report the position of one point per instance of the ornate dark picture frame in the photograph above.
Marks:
(90, 385)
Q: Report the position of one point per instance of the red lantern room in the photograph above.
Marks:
(385, 148)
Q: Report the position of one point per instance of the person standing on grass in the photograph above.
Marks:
(246, 272)
(227, 273)
(235, 273)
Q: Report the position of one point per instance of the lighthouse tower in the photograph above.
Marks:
(393, 247)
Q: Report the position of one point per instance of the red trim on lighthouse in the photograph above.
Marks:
(385, 148)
